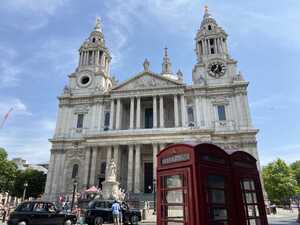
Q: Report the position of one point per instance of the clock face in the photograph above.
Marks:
(216, 69)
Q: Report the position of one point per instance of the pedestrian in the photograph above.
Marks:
(116, 212)
(4, 214)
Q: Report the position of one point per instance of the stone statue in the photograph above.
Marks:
(146, 65)
(111, 171)
(98, 26)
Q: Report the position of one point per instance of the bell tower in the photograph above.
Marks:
(92, 74)
(214, 63)
(93, 54)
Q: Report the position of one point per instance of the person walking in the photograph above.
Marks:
(116, 212)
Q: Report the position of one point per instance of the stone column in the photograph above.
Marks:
(93, 165)
(161, 112)
(176, 118)
(116, 154)
(108, 155)
(132, 113)
(183, 111)
(93, 57)
(87, 167)
(130, 169)
(154, 112)
(137, 169)
(49, 175)
(80, 58)
(118, 114)
(197, 105)
(85, 58)
(154, 160)
(138, 113)
(112, 114)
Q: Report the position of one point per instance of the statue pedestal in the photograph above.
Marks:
(110, 190)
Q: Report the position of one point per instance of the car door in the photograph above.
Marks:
(54, 217)
(40, 215)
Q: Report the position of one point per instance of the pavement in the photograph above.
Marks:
(283, 217)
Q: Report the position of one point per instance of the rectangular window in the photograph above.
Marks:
(221, 112)
(80, 121)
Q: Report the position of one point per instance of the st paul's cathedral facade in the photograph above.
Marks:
(130, 122)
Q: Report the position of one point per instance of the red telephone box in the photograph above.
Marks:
(201, 184)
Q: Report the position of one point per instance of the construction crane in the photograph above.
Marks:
(6, 117)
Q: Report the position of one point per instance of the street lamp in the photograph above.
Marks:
(154, 194)
(25, 189)
(73, 196)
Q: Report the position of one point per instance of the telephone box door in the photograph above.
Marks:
(217, 197)
(174, 197)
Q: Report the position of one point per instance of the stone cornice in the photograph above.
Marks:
(155, 135)
(166, 90)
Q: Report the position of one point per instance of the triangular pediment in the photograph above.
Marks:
(146, 80)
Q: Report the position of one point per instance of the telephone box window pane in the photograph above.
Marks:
(250, 197)
(218, 213)
(175, 196)
(174, 181)
(249, 185)
(253, 211)
(217, 196)
(175, 213)
(254, 222)
(215, 181)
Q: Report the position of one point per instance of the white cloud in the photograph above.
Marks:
(9, 71)
(30, 14)
(19, 108)
(48, 124)
(36, 6)
(123, 15)
(29, 142)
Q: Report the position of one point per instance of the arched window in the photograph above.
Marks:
(75, 171)
(209, 27)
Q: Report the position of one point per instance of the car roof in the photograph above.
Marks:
(36, 201)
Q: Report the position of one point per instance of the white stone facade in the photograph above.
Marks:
(130, 122)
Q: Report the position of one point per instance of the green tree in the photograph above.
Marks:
(296, 169)
(8, 171)
(36, 183)
(279, 181)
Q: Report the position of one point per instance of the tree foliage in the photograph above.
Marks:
(8, 171)
(296, 169)
(279, 181)
(36, 183)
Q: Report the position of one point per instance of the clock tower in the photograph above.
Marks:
(214, 64)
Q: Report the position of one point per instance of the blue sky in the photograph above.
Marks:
(39, 42)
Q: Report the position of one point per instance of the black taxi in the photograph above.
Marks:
(40, 213)
(100, 211)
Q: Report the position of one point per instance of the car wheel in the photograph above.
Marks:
(68, 222)
(22, 223)
(134, 220)
(98, 220)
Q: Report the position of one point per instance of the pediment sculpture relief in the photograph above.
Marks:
(146, 81)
